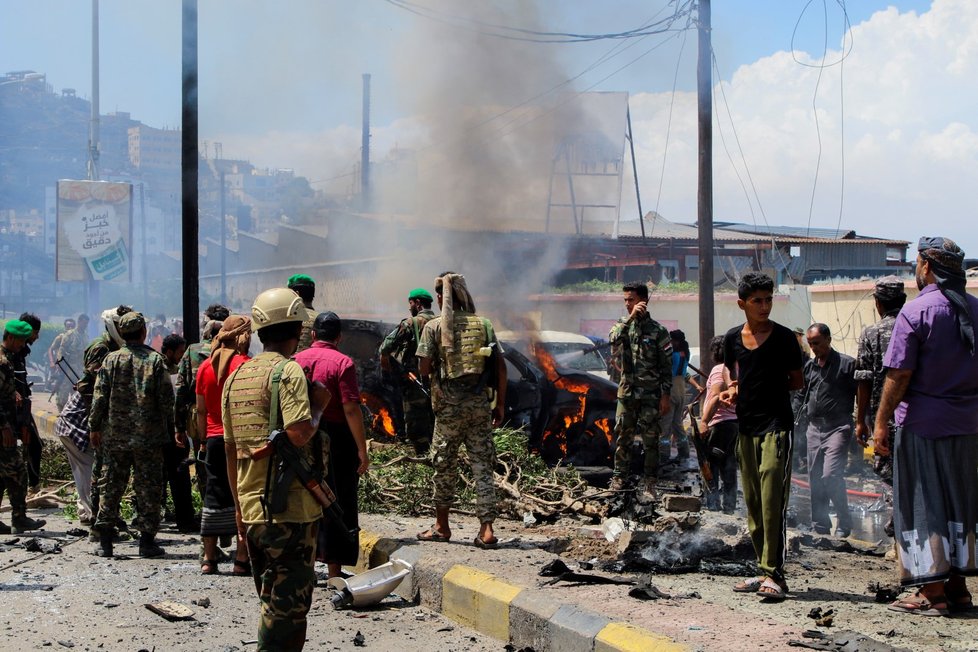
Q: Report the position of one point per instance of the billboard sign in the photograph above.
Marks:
(94, 230)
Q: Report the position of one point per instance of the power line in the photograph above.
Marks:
(665, 149)
(533, 36)
(750, 178)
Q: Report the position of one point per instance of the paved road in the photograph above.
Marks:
(96, 604)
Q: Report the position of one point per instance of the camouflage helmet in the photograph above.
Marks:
(276, 306)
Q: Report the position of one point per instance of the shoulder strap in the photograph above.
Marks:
(417, 335)
(273, 415)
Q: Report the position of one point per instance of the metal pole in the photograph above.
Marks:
(704, 199)
(365, 147)
(638, 195)
(189, 163)
(224, 244)
(93, 298)
(145, 273)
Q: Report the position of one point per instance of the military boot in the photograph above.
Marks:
(104, 548)
(617, 483)
(4, 528)
(148, 546)
(24, 523)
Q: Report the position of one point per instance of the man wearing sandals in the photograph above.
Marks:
(931, 391)
(455, 350)
(765, 362)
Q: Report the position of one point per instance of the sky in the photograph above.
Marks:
(882, 138)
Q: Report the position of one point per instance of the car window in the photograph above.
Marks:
(571, 355)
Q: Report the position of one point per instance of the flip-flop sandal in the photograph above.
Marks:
(208, 567)
(748, 586)
(771, 589)
(921, 606)
(485, 545)
(431, 534)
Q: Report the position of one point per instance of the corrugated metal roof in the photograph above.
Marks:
(658, 227)
(788, 231)
(801, 234)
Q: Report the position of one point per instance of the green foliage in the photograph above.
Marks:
(54, 462)
(595, 286)
(592, 286)
(397, 484)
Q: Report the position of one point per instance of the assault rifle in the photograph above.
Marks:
(407, 376)
(288, 464)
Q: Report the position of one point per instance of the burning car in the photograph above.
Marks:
(568, 414)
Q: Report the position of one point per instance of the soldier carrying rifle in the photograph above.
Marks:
(398, 355)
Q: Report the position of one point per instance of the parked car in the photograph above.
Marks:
(567, 413)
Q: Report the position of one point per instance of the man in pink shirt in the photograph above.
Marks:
(345, 446)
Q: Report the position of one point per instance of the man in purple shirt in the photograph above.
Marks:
(342, 426)
(931, 388)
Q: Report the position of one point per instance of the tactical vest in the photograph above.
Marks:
(469, 335)
(248, 404)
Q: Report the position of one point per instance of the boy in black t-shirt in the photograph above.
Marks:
(765, 363)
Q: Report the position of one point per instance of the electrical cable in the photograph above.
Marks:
(750, 178)
(533, 36)
(665, 149)
(848, 31)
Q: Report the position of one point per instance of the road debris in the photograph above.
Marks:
(884, 593)
(202, 602)
(527, 486)
(170, 610)
(44, 545)
(560, 572)
(843, 641)
(359, 640)
(822, 618)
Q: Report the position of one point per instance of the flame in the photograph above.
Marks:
(604, 425)
(557, 430)
(382, 420)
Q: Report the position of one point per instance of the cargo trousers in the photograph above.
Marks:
(765, 474)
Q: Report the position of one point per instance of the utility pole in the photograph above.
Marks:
(144, 265)
(189, 163)
(93, 299)
(704, 194)
(365, 147)
(224, 242)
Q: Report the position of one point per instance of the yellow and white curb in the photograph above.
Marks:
(509, 613)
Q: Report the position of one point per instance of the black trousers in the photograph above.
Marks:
(342, 478)
(177, 476)
(33, 456)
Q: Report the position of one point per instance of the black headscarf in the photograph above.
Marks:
(947, 264)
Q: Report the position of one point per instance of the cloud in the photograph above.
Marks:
(896, 121)
(899, 138)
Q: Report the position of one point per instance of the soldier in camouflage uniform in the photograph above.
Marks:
(645, 385)
(59, 385)
(130, 420)
(93, 358)
(456, 352)
(890, 296)
(282, 546)
(185, 405)
(401, 345)
(305, 287)
(13, 472)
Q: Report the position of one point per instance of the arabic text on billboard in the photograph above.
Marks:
(94, 230)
